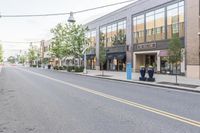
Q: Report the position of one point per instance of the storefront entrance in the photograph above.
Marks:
(91, 62)
(157, 59)
(116, 62)
(146, 60)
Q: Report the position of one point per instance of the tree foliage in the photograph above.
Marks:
(175, 52)
(22, 59)
(32, 54)
(11, 59)
(59, 41)
(1, 53)
(102, 52)
(68, 40)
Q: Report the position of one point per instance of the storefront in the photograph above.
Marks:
(91, 61)
(159, 60)
(116, 61)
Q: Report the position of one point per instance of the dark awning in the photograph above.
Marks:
(110, 56)
(119, 56)
(90, 56)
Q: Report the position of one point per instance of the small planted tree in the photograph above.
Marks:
(22, 59)
(175, 52)
(32, 55)
(102, 53)
(102, 57)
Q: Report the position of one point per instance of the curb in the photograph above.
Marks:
(145, 83)
(138, 82)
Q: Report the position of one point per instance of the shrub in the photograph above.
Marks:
(79, 69)
(34, 65)
(60, 68)
(55, 67)
(64, 67)
(70, 68)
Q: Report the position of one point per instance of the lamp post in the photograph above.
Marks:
(71, 18)
(85, 58)
(199, 53)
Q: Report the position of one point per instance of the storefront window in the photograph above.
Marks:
(168, 68)
(138, 29)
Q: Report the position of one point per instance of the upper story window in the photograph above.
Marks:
(113, 34)
(160, 24)
(91, 36)
(138, 29)
(121, 33)
(152, 26)
(102, 37)
(155, 25)
(175, 20)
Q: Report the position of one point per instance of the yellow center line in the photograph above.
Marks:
(124, 101)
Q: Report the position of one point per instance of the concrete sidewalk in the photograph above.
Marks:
(1, 67)
(121, 76)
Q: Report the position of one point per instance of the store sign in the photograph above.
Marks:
(163, 53)
(146, 46)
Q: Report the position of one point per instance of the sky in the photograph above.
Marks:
(38, 28)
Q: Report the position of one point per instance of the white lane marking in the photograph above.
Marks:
(124, 101)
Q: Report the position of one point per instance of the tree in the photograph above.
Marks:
(175, 52)
(59, 41)
(68, 40)
(1, 53)
(102, 52)
(76, 40)
(32, 55)
(11, 59)
(22, 59)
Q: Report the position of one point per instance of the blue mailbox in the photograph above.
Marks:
(128, 71)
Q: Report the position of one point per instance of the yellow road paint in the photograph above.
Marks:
(124, 101)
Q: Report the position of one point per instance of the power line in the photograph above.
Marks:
(21, 42)
(66, 13)
(95, 8)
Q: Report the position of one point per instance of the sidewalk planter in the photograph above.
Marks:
(142, 73)
(151, 73)
(49, 66)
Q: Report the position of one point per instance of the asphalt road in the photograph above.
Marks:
(47, 101)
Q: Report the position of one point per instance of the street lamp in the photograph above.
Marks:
(71, 18)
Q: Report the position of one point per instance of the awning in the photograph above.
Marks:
(89, 56)
(110, 56)
(119, 56)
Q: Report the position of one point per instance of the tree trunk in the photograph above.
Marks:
(60, 62)
(102, 74)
